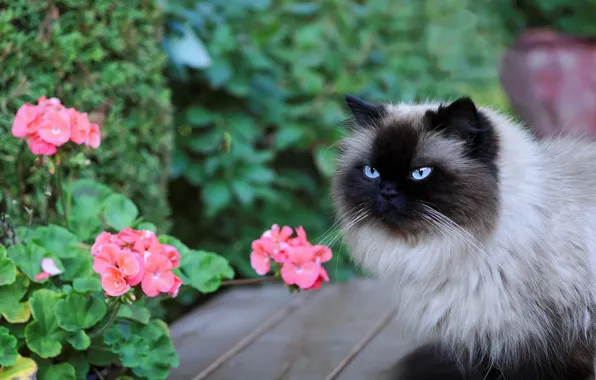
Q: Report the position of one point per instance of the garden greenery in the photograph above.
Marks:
(257, 116)
(104, 57)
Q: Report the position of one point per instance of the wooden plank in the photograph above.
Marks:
(379, 356)
(313, 340)
(206, 333)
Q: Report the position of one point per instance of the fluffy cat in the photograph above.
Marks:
(488, 235)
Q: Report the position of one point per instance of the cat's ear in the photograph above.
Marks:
(366, 114)
(461, 117)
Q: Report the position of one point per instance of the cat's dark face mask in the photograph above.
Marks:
(419, 172)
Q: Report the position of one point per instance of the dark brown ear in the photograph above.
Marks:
(461, 117)
(366, 114)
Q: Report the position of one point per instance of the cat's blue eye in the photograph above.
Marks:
(421, 173)
(370, 172)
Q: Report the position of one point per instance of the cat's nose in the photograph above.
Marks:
(388, 190)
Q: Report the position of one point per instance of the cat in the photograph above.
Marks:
(487, 234)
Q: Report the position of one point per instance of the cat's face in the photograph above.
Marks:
(412, 169)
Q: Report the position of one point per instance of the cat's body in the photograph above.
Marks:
(492, 255)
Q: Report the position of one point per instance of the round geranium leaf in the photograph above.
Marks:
(8, 348)
(43, 335)
(79, 312)
(79, 340)
(8, 271)
(86, 285)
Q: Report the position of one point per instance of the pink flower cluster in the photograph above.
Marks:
(49, 125)
(300, 261)
(134, 257)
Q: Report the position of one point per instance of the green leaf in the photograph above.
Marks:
(204, 270)
(100, 354)
(44, 336)
(119, 211)
(288, 135)
(79, 340)
(174, 242)
(135, 312)
(311, 81)
(216, 196)
(326, 160)
(8, 348)
(148, 349)
(77, 311)
(88, 284)
(147, 226)
(198, 116)
(162, 355)
(80, 363)
(134, 351)
(8, 271)
(206, 142)
(28, 258)
(62, 371)
(219, 73)
(243, 191)
(10, 296)
(259, 175)
(57, 241)
(85, 219)
(91, 189)
(23, 369)
(78, 267)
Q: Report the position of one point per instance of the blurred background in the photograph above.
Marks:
(219, 117)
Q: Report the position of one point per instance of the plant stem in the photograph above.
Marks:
(110, 321)
(249, 281)
(60, 190)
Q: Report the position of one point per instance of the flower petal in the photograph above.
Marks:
(113, 282)
(49, 266)
(260, 263)
(307, 274)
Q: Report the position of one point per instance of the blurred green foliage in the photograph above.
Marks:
(258, 117)
(101, 57)
(565, 16)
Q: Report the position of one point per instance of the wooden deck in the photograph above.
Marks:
(342, 331)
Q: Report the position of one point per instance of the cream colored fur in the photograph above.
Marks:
(489, 290)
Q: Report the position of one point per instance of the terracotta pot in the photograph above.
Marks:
(550, 80)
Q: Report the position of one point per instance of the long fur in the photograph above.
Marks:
(521, 290)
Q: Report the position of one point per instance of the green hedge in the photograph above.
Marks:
(565, 16)
(102, 57)
(274, 89)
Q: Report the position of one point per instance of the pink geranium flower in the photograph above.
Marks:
(113, 282)
(172, 254)
(301, 269)
(24, 122)
(38, 146)
(49, 125)
(136, 257)
(279, 235)
(80, 126)
(94, 137)
(173, 292)
(158, 275)
(260, 259)
(298, 260)
(110, 255)
(54, 127)
(100, 240)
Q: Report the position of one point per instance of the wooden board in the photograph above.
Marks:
(337, 332)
